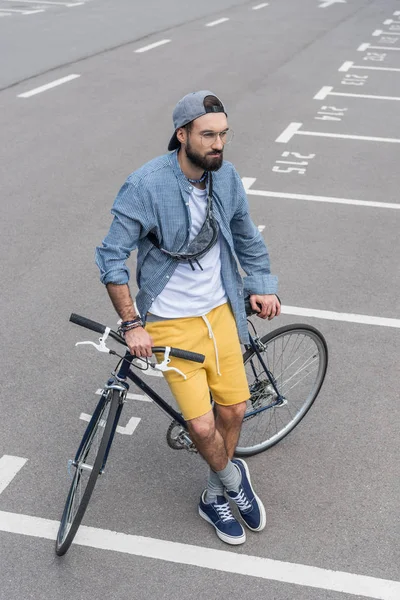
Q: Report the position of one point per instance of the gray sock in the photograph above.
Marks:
(214, 487)
(230, 477)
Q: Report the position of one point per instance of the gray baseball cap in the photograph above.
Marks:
(189, 108)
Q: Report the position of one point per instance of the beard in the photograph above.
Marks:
(206, 162)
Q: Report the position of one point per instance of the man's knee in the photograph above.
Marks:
(233, 413)
(202, 427)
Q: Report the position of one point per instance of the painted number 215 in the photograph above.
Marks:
(300, 165)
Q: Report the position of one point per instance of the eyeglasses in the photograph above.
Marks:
(210, 137)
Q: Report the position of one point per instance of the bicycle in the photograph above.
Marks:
(293, 357)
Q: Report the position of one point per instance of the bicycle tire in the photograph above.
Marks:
(269, 419)
(75, 505)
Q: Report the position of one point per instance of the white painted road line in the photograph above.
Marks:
(379, 32)
(350, 65)
(294, 129)
(289, 132)
(218, 22)
(367, 46)
(19, 11)
(39, 2)
(208, 558)
(258, 6)
(338, 316)
(327, 3)
(9, 467)
(327, 91)
(151, 46)
(48, 86)
(140, 397)
(248, 181)
(261, 228)
(127, 430)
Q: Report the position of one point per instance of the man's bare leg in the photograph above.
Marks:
(208, 440)
(228, 423)
(217, 446)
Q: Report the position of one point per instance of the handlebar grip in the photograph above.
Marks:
(88, 323)
(249, 308)
(194, 356)
(178, 353)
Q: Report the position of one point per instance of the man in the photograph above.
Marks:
(187, 214)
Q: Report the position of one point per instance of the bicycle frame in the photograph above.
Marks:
(118, 382)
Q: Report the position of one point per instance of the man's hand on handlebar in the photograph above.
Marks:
(267, 306)
(139, 342)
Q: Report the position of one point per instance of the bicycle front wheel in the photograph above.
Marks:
(87, 467)
(297, 358)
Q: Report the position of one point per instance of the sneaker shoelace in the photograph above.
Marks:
(224, 512)
(242, 501)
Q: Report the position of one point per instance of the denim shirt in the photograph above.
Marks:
(156, 198)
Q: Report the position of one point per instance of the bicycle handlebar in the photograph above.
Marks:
(99, 328)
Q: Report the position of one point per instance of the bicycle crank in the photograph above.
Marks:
(178, 438)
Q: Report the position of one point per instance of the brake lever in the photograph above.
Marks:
(163, 366)
(101, 346)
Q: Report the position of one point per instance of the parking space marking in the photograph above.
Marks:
(48, 86)
(208, 558)
(38, 2)
(260, 6)
(261, 228)
(350, 65)
(19, 11)
(217, 22)
(294, 129)
(151, 46)
(339, 316)
(367, 46)
(327, 3)
(327, 91)
(379, 32)
(9, 467)
(248, 182)
(129, 428)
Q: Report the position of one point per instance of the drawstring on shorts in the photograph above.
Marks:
(212, 337)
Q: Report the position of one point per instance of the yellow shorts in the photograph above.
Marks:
(222, 373)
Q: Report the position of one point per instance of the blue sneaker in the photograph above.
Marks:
(220, 516)
(249, 504)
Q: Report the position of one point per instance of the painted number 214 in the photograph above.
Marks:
(299, 166)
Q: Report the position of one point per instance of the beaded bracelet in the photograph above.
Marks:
(128, 325)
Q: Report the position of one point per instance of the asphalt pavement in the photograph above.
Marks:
(313, 95)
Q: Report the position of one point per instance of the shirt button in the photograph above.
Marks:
(167, 277)
(187, 203)
(152, 299)
(240, 293)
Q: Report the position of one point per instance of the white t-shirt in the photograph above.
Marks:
(191, 293)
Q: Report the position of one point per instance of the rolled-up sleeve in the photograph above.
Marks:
(127, 227)
(250, 248)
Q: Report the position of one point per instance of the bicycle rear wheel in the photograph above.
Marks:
(87, 467)
(297, 358)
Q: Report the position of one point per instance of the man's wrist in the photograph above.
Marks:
(130, 324)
